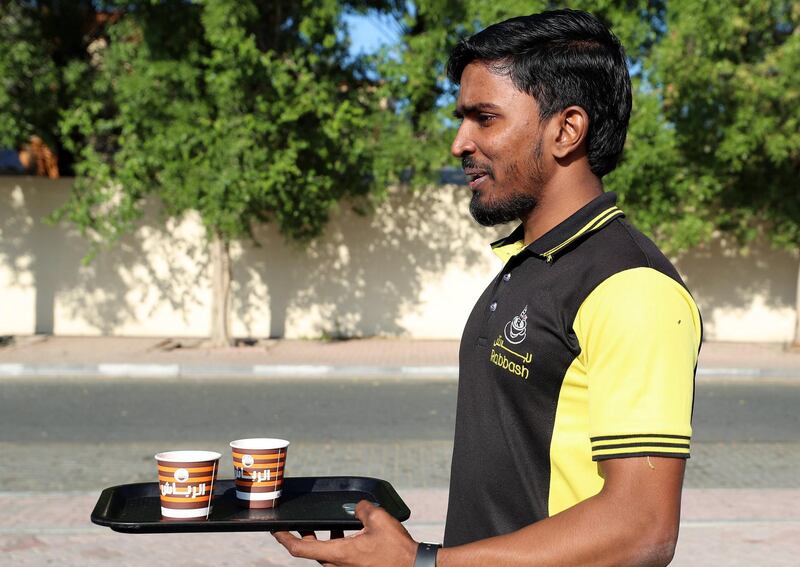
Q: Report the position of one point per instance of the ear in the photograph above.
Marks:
(573, 126)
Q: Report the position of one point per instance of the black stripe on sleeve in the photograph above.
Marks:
(613, 437)
(644, 454)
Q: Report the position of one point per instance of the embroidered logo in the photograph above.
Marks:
(515, 331)
(517, 328)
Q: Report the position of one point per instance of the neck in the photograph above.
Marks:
(557, 203)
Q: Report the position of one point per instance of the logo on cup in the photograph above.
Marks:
(181, 475)
(248, 460)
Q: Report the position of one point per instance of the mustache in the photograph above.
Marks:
(471, 163)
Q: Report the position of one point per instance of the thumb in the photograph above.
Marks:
(376, 518)
(367, 512)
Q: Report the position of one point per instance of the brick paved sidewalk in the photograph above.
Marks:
(719, 527)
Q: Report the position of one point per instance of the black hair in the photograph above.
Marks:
(561, 58)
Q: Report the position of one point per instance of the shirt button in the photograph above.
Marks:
(493, 306)
(506, 277)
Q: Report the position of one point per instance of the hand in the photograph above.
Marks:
(383, 542)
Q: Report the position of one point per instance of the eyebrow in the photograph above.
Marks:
(462, 111)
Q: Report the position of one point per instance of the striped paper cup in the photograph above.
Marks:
(258, 466)
(186, 480)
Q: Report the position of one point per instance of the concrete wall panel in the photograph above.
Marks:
(414, 268)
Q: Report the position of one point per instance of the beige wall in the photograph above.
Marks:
(413, 269)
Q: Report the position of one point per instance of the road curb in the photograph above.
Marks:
(196, 371)
(306, 371)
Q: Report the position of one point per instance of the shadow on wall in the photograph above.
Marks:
(124, 283)
(721, 278)
(360, 278)
(29, 249)
(365, 273)
(383, 274)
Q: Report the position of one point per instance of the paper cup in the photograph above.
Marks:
(258, 466)
(186, 480)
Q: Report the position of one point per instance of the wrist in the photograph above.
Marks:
(426, 554)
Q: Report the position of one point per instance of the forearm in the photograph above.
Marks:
(612, 528)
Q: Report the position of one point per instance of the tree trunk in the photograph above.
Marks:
(796, 342)
(221, 291)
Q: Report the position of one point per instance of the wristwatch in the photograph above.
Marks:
(426, 554)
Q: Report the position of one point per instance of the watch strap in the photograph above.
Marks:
(426, 554)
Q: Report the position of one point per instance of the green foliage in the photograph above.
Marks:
(714, 139)
(242, 111)
(28, 79)
(254, 111)
(656, 187)
(730, 87)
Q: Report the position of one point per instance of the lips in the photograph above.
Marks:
(475, 176)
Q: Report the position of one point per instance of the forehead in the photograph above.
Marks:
(481, 85)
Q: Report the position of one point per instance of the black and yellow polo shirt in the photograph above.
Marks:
(583, 348)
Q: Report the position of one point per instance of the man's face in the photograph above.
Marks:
(500, 145)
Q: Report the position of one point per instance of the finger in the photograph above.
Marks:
(376, 518)
(364, 510)
(370, 515)
(283, 537)
(322, 551)
(335, 534)
(307, 535)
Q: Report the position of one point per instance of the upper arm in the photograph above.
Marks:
(649, 483)
(639, 332)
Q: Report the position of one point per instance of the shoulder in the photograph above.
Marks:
(619, 247)
(632, 280)
(615, 249)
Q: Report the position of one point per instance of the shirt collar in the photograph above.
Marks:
(590, 218)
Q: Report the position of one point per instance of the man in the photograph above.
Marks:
(577, 362)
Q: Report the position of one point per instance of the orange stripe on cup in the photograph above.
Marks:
(186, 499)
(269, 457)
(257, 463)
(243, 482)
(188, 469)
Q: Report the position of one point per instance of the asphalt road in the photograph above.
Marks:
(78, 435)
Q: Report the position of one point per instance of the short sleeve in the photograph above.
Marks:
(640, 333)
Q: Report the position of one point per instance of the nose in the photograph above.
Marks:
(462, 145)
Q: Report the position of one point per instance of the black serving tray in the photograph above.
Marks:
(307, 503)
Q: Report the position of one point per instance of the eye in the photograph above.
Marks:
(485, 119)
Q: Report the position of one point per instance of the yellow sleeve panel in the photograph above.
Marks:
(640, 334)
(573, 475)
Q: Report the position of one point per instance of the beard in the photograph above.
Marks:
(500, 211)
(515, 205)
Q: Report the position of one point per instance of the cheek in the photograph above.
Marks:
(512, 147)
